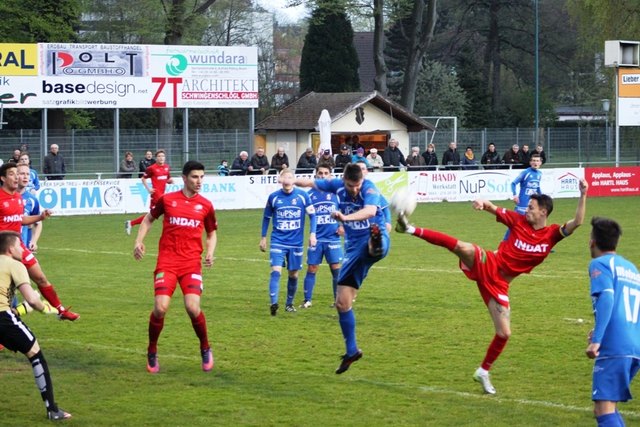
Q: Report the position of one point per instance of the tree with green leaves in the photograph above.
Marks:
(38, 21)
(438, 92)
(329, 60)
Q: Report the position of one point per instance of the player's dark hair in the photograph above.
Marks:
(191, 165)
(544, 202)
(352, 172)
(161, 152)
(605, 233)
(5, 167)
(324, 165)
(535, 155)
(7, 239)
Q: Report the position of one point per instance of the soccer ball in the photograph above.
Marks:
(403, 201)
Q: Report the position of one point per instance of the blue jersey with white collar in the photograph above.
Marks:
(288, 212)
(368, 195)
(31, 207)
(529, 180)
(615, 294)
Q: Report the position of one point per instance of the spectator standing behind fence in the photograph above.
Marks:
(358, 156)
(259, 163)
(393, 157)
(54, 167)
(451, 157)
(541, 153)
(240, 164)
(491, 159)
(526, 156)
(15, 158)
(279, 161)
(415, 160)
(307, 162)
(326, 159)
(430, 157)
(223, 168)
(513, 157)
(127, 166)
(146, 161)
(469, 160)
(375, 161)
(343, 158)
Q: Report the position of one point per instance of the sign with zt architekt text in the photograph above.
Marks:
(65, 75)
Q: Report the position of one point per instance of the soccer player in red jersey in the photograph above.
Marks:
(529, 242)
(186, 215)
(160, 175)
(12, 218)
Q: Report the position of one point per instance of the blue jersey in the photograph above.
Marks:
(31, 207)
(529, 180)
(34, 182)
(368, 195)
(386, 209)
(615, 294)
(288, 213)
(325, 204)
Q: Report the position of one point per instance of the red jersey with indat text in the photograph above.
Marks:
(11, 211)
(159, 175)
(185, 218)
(525, 247)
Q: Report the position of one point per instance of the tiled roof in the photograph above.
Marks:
(363, 42)
(303, 113)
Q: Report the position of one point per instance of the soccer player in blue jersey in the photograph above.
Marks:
(328, 234)
(30, 233)
(384, 203)
(287, 208)
(614, 342)
(529, 182)
(366, 242)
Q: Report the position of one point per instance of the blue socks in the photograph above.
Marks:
(309, 283)
(335, 273)
(610, 420)
(348, 326)
(292, 287)
(274, 286)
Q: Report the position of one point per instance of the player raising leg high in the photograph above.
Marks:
(530, 241)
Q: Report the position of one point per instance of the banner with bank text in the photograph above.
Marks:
(119, 196)
(66, 75)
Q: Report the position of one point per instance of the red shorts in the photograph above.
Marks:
(166, 280)
(28, 258)
(486, 274)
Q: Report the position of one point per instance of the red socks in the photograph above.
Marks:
(200, 327)
(50, 295)
(436, 238)
(155, 327)
(138, 220)
(494, 350)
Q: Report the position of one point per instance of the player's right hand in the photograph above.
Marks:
(138, 251)
(263, 244)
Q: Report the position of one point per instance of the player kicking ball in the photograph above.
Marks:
(529, 242)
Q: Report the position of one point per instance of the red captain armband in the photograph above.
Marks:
(563, 230)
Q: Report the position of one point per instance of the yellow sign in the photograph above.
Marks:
(18, 59)
(629, 82)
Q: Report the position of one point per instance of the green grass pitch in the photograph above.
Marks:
(421, 324)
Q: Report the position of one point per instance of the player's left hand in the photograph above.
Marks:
(338, 215)
(46, 214)
(312, 240)
(584, 186)
(208, 260)
(593, 350)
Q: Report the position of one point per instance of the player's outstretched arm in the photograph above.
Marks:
(304, 182)
(485, 205)
(577, 221)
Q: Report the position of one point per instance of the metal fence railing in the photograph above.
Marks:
(88, 152)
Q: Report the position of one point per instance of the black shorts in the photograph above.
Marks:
(15, 335)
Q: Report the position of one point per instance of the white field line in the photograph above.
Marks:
(425, 389)
(265, 260)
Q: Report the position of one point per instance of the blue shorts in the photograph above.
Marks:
(357, 261)
(612, 378)
(291, 257)
(332, 252)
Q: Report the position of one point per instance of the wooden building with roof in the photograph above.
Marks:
(372, 118)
